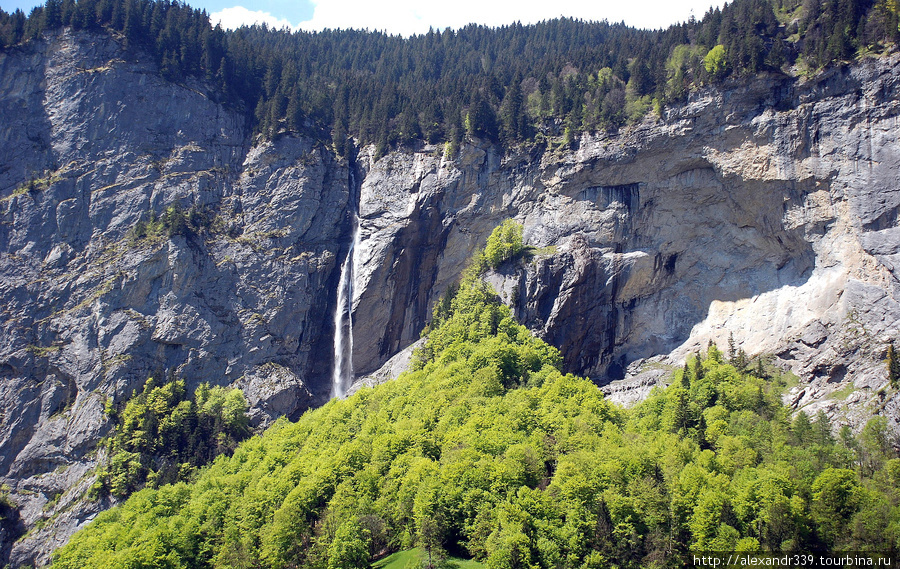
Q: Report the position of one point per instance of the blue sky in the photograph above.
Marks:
(416, 16)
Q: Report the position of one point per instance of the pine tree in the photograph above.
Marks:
(893, 366)
(697, 367)
(339, 138)
(293, 112)
(223, 79)
(132, 26)
(455, 136)
(760, 371)
(480, 119)
(511, 112)
(741, 361)
(52, 14)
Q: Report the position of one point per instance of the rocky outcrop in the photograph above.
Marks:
(144, 232)
(764, 211)
(391, 369)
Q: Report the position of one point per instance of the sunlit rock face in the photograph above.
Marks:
(145, 232)
(764, 212)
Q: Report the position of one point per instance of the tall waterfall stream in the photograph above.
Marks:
(342, 376)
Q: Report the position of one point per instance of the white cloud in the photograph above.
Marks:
(408, 17)
(233, 18)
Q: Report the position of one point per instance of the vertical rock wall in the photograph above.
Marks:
(764, 211)
(144, 231)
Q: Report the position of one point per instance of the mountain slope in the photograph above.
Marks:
(144, 230)
(486, 449)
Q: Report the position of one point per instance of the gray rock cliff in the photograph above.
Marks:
(240, 296)
(766, 210)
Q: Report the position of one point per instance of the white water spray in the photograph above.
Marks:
(342, 375)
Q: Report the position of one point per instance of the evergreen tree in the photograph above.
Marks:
(52, 14)
(558, 78)
(697, 367)
(480, 119)
(893, 366)
(511, 112)
(760, 372)
(132, 31)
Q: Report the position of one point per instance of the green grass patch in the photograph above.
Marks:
(787, 380)
(465, 563)
(649, 366)
(414, 558)
(401, 560)
(44, 351)
(844, 393)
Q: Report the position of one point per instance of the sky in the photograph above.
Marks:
(407, 17)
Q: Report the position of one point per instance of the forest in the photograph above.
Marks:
(517, 84)
(485, 449)
(163, 434)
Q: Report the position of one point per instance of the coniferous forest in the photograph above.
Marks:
(515, 84)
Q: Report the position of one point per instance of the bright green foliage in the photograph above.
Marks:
(488, 448)
(836, 498)
(350, 547)
(162, 435)
(715, 62)
(683, 69)
(458, 442)
(504, 243)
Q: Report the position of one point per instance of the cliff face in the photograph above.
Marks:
(766, 211)
(240, 293)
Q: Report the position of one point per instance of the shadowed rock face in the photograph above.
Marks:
(237, 290)
(766, 211)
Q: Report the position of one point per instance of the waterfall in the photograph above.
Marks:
(342, 375)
